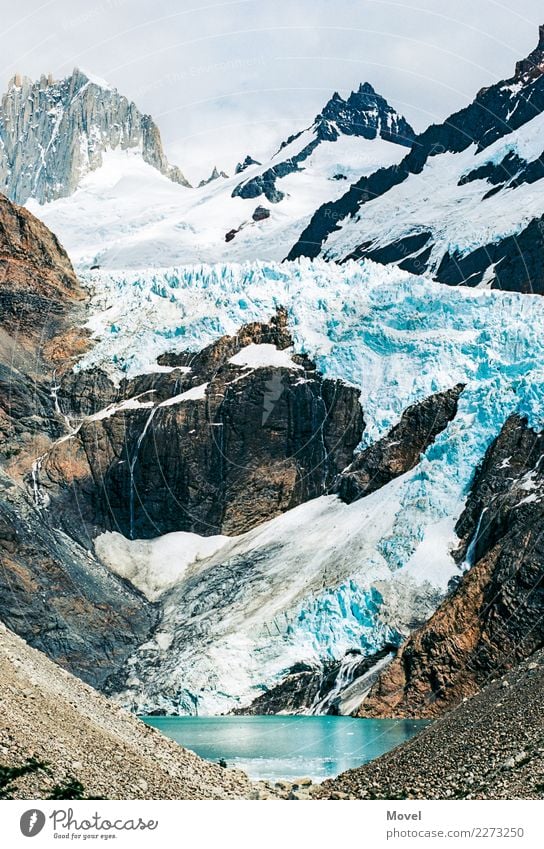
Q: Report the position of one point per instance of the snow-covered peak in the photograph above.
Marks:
(465, 203)
(54, 132)
(364, 115)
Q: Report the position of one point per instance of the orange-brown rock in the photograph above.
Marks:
(38, 286)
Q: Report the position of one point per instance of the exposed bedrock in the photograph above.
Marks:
(328, 689)
(401, 449)
(60, 598)
(53, 592)
(212, 446)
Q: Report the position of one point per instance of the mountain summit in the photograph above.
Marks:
(365, 114)
(52, 133)
(465, 205)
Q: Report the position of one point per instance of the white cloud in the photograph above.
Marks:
(226, 78)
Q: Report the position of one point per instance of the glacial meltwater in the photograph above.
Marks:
(274, 747)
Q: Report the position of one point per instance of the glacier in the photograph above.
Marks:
(325, 577)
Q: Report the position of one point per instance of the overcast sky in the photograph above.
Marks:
(223, 79)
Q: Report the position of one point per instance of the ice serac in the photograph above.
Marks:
(365, 114)
(464, 205)
(53, 133)
(324, 578)
(493, 619)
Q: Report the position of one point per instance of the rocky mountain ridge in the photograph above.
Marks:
(55, 593)
(447, 208)
(365, 114)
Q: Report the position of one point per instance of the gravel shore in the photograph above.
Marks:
(50, 715)
(490, 747)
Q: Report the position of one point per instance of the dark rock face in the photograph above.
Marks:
(295, 694)
(365, 113)
(306, 688)
(241, 166)
(495, 112)
(401, 449)
(37, 281)
(40, 302)
(52, 591)
(493, 619)
(261, 213)
(248, 445)
(517, 263)
(60, 598)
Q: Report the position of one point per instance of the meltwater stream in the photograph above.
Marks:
(274, 747)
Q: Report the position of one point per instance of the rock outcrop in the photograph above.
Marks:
(401, 449)
(493, 619)
(222, 443)
(52, 133)
(41, 304)
(59, 597)
(53, 592)
(327, 689)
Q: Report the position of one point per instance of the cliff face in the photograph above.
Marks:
(493, 620)
(52, 133)
(37, 281)
(53, 592)
(217, 446)
(40, 307)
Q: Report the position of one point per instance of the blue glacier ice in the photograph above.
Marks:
(370, 567)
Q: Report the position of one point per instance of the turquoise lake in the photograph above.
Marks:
(273, 747)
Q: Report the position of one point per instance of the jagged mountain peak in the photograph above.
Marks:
(533, 64)
(215, 175)
(496, 142)
(364, 113)
(54, 132)
(249, 160)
